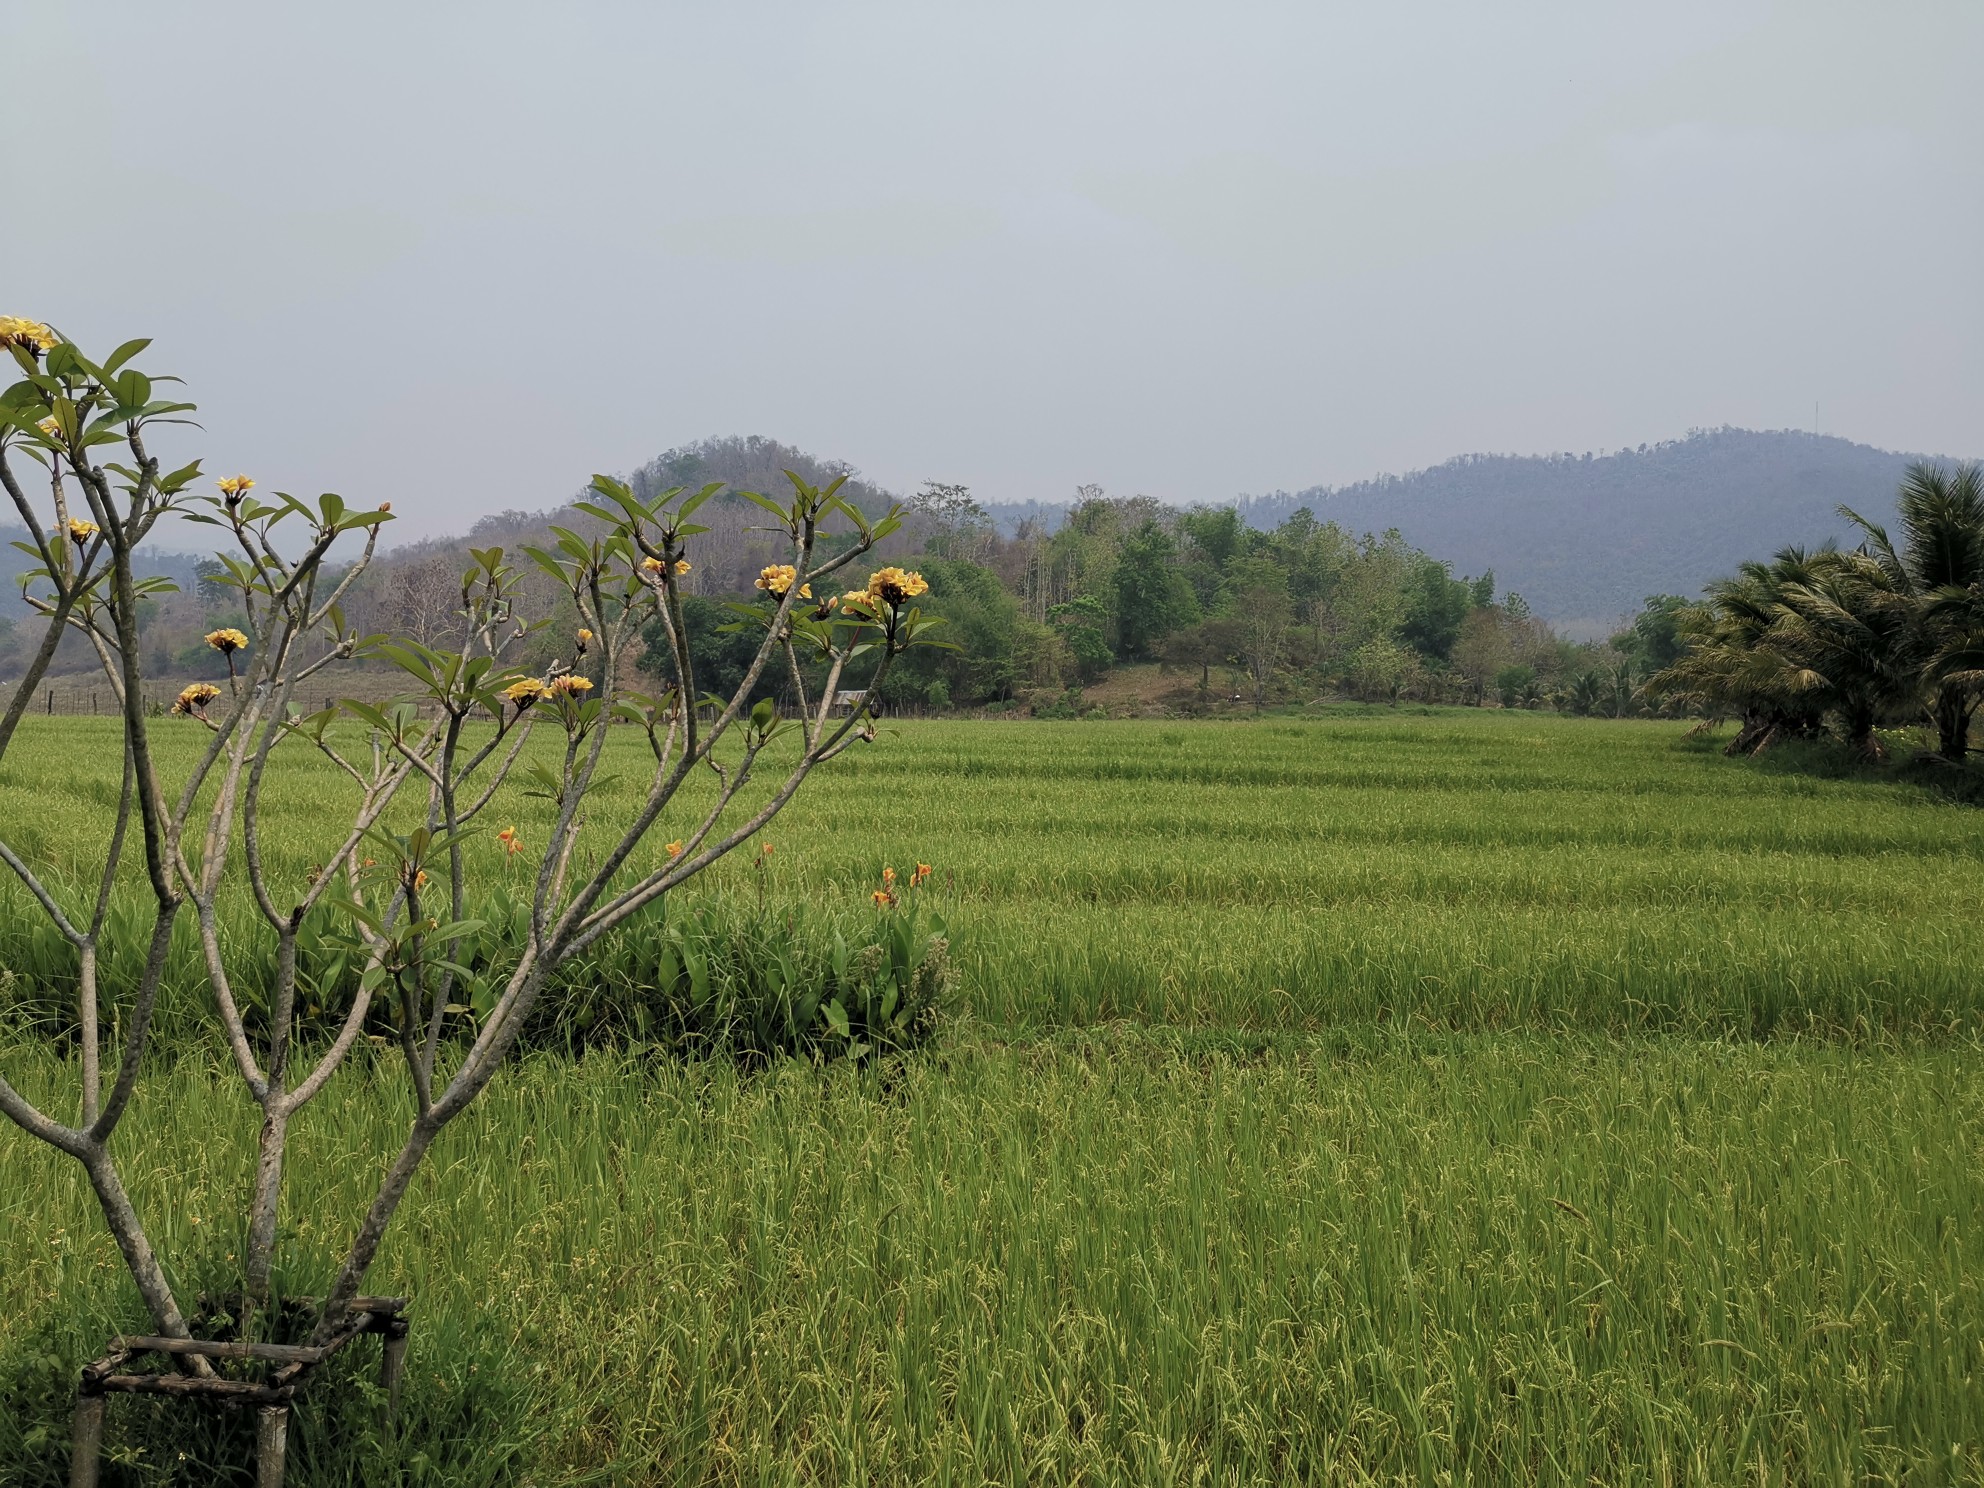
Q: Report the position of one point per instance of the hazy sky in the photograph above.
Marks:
(460, 257)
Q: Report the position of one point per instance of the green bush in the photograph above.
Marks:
(710, 981)
(703, 978)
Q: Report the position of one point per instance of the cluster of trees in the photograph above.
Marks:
(1302, 610)
(1231, 612)
(1845, 641)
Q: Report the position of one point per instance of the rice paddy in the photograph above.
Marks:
(1376, 1097)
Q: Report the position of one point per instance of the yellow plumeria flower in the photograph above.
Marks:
(81, 529)
(525, 691)
(50, 426)
(569, 685)
(585, 640)
(655, 565)
(237, 485)
(194, 698)
(777, 578)
(894, 586)
(227, 641)
(30, 334)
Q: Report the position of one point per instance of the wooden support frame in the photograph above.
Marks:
(271, 1396)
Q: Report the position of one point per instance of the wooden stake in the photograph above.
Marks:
(271, 1444)
(87, 1445)
(392, 1370)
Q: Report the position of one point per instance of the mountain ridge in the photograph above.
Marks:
(1585, 538)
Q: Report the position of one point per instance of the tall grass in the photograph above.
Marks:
(1112, 1258)
(1468, 869)
(1441, 1098)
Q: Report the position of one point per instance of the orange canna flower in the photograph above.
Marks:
(674, 849)
(883, 899)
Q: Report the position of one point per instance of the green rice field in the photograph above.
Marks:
(1381, 1096)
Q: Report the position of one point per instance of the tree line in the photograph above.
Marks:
(1217, 612)
(1230, 614)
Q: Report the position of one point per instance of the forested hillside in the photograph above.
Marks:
(149, 562)
(1584, 537)
(1487, 578)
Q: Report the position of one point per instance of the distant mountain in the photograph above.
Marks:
(151, 562)
(1585, 538)
(751, 462)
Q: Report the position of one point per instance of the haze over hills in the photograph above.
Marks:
(1584, 538)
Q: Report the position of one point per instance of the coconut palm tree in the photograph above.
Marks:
(1855, 635)
(1940, 569)
(1622, 696)
(1734, 661)
(1585, 696)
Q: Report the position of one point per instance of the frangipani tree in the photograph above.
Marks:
(397, 880)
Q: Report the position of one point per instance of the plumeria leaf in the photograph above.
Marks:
(367, 713)
(783, 514)
(124, 354)
(688, 507)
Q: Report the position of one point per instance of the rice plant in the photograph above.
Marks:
(1109, 1257)
(1375, 1097)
